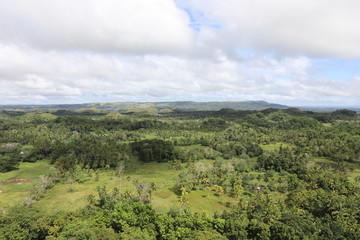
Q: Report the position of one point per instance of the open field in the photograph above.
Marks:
(16, 185)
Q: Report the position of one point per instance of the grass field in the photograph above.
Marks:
(16, 185)
(163, 199)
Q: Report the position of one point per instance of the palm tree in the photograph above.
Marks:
(119, 169)
(152, 188)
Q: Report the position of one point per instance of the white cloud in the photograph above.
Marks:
(322, 28)
(55, 51)
(129, 26)
(52, 75)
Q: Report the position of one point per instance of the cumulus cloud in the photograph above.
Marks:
(56, 51)
(49, 76)
(320, 28)
(136, 26)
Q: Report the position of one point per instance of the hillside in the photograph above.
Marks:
(186, 105)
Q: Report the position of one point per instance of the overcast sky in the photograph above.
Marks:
(293, 52)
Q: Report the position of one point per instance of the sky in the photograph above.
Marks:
(292, 52)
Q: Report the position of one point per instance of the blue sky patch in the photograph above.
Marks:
(336, 69)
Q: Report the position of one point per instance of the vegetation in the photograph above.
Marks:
(92, 108)
(156, 174)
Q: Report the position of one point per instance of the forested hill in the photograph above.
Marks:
(186, 105)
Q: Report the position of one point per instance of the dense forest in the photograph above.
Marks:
(229, 174)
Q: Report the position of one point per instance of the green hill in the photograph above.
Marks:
(186, 105)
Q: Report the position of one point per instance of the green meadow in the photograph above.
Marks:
(16, 185)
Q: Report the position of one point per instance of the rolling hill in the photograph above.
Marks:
(185, 105)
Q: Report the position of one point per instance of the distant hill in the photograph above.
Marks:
(328, 109)
(127, 106)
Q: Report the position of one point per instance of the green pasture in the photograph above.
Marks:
(16, 185)
(59, 198)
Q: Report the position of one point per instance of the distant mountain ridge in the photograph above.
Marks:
(126, 106)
